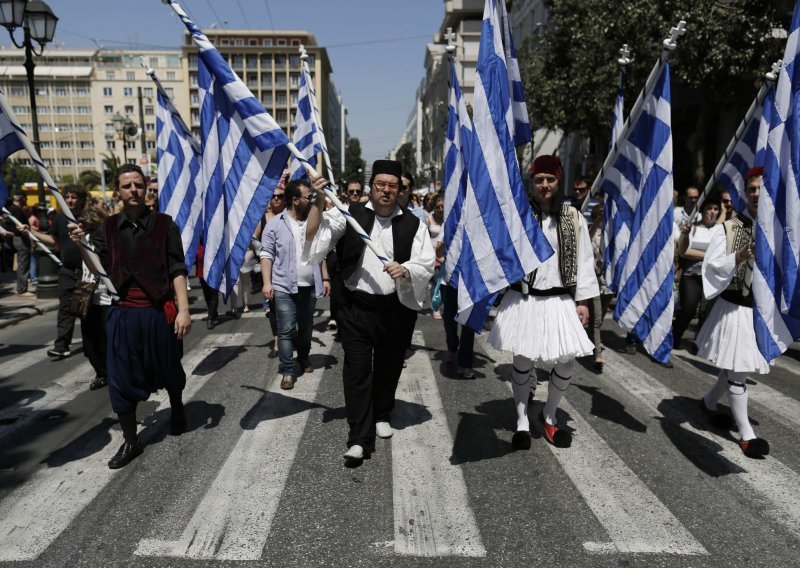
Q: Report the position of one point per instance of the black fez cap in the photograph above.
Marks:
(386, 167)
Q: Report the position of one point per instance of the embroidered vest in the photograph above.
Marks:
(144, 264)
(350, 246)
(568, 230)
(738, 234)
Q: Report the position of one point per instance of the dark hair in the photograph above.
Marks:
(92, 217)
(78, 190)
(291, 191)
(584, 179)
(127, 169)
(712, 200)
(355, 180)
(410, 179)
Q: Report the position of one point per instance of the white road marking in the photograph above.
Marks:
(432, 514)
(34, 514)
(775, 482)
(234, 518)
(635, 519)
(16, 363)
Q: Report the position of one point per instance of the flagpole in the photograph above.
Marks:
(34, 238)
(770, 78)
(93, 259)
(669, 45)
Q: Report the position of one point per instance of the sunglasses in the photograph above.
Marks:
(726, 201)
(278, 196)
(353, 192)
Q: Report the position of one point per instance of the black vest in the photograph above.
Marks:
(350, 246)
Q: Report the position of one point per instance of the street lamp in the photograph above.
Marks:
(125, 128)
(38, 23)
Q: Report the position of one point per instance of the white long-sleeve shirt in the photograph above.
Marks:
(369, 276)
(719, 267)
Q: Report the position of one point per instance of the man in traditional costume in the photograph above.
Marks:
(541, 318)
(728, 338)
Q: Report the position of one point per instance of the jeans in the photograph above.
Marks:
(294, 310)
(465, 346)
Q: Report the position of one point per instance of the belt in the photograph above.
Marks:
(736, 297)
(517, 287)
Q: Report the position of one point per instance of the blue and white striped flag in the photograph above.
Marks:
(640, 183)
(749, 152)
(615, 232)
(776, 284)
(502, 240)
(178, 155)
(306, 134)
(519, 122)
(244, 153)
(459, 132)
(9, 143)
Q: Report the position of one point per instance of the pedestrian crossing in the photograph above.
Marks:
(438, 508)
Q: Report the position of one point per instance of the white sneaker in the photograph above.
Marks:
(332, 324)
(354, 452)
(383, 430)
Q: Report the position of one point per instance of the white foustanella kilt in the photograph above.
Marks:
(728, 339)
(545, 329)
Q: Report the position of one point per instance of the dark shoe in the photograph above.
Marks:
(552, 433)
(755, 448)
(177, 421)
(98, 383)
(210, 323)
(667, 365)
(521, 440)
(306, 366)
(692, 348)
(58, 353)
(715, 417)
(630, 348)
(598, 364)
(272, 353)
(127, 452)
(287, 382)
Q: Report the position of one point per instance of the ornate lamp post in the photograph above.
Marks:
(125, 129)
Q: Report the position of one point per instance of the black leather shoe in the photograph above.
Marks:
(210, 323)
(98, 383)
(521, 440)
(127, 452)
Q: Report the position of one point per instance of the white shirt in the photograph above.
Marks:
(305, 272)
(548, 274)
(369, 276)
(719, 267)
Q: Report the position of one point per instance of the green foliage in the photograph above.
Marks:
(571, 72)
(111, 164)
(89, 179)
(15, 174)
(407, 156)
(353, 161)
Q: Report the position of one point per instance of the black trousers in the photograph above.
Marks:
(374, 332)
(337, 290)
(690, 292)
(211, 297)
(65, 322)
(93, 331)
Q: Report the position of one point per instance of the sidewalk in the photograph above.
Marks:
(13, 308)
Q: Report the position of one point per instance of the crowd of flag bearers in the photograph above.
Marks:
(508, 243)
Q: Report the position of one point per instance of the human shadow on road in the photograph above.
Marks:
(702, 452)
(217, 359)
(476, 436)
(406, 414)
(19, 399)
(272, 406)
(607, 408)
(7, 350)
(90, 442)
(199, 415)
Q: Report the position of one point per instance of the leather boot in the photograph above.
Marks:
(130, 448)
(177, 418)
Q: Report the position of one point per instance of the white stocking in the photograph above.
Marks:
(559, 382)
(521, 385)
(737, 392)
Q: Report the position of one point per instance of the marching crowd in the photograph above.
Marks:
(304, 248)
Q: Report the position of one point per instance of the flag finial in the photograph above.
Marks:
(303, 52)
(772, 74)
(450, 36)
(672, 41)
(624, 56)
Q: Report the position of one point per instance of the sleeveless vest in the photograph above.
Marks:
(738, 234)
(145, 263)
(350, 246)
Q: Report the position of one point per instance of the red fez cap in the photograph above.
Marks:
(754, 172)
(547, 165)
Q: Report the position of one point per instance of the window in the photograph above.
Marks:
(281, 42)
(130, 75)
(128, 109)
(148, 110)
(239, 42)
(252, 42)
(81, 91)
(195, 99)
(86, 144)
(195, 116)
(108, 92)
(65, 144)
(45, 144)
(266, 62)
(192, 60)
(42, 109)
(61, 91)
(237, 61)
(294, 61)
(84, 128)
(280, 80)
(224, 41)
(127, 91)
(170, 91)
(130, 144)
(86, 162)
(108, 109)
(280, 61)
(152, 62)
(280, 116)
(147, 91)
(151, 144)
(310, 61)
(109, 75)
(109, 128)
(281, 99)
(266, 80)
(252, 62)
(267, 42)
(40, 91)
(294, 80)
(44, 127)
(170, 75)
(266, 99)
(295, 41)
(293, 99)
(83, 110)
(65, 162)
(150, 127)
(193, 79)
(18, 91)
(111, 145)
(62, 110)
(21, 109)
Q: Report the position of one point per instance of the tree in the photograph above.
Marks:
(89, 179)
(111, 164)
(15, 174)
(571, 74)
(407, 156)
(353, 164)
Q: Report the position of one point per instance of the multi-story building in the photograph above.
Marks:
(269, 64)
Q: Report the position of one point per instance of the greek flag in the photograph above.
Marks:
(502, 241)
(615, 231)
(459, 132)
(306, 134)
(748, 152)
(178, 155)
(776, 289)
(243, 155)
(640, 184)
(519, 124)
(9, 143)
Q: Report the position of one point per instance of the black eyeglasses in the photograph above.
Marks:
(353, 192)
(278, 196)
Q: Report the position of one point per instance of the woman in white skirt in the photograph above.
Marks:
(728, 338)
(540, 320)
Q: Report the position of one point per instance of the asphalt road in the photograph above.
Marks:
(259, 479)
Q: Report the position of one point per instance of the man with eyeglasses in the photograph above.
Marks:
(728, 212)
(379, 302)
(355, 190)
(690, 199)
(290, 285)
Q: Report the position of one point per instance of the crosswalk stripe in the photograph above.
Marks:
(432, 515)
(17, 363)
(635, 519)
(234, 518)
(787, 364)
(775, 482)
(34, 514)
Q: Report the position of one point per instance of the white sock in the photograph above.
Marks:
(716, 392)
(521, 385)
(737, 392)
(559, 382)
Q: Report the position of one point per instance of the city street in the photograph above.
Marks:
(259, 479)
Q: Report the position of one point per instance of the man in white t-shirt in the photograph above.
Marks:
(290, 284)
